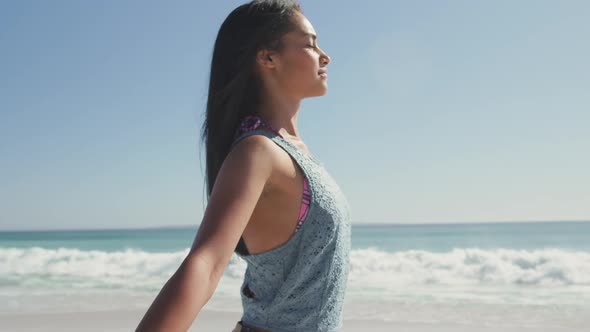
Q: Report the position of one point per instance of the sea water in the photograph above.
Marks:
(534, 274)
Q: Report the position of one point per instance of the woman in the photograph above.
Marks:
(269, 200)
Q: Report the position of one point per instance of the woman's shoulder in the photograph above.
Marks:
(254, 147)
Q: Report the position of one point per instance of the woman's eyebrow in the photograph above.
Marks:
(307, 34)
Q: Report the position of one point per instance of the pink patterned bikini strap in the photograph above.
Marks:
(252, 122)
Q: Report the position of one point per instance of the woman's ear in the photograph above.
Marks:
(266, 58)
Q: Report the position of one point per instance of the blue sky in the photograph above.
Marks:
(437, 111)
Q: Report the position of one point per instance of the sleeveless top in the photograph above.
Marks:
(300, 285)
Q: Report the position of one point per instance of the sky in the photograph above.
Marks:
(436, 111)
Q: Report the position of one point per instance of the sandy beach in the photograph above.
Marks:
(215, 321)
(119, 321)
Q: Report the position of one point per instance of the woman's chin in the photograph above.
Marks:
(319, 93)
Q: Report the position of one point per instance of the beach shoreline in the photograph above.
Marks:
(410, 278)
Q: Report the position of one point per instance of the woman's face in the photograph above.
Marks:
(299, 64)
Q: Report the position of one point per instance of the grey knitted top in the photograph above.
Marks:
(300, 285)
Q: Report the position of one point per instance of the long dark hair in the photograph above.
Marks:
(234, 86)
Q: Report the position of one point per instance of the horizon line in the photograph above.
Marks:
(370, 224)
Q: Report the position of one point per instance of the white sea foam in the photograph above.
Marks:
(472, 266)
(468, 274)
(86, 269)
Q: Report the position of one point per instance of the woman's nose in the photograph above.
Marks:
(325, 58)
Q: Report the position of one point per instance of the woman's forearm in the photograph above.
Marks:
(182, 297)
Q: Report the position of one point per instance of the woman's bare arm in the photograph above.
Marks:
(239, 184)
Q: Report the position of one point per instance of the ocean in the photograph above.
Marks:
(532, 274)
